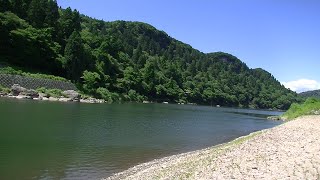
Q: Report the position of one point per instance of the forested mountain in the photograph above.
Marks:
(314, 93)
(130, 61)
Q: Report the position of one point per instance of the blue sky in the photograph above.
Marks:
(280, 36)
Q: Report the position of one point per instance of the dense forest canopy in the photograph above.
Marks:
(130, 61)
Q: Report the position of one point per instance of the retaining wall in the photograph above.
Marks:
(7, 80)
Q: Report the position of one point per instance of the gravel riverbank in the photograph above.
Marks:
(288, 151)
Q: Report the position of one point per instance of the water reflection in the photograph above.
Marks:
(42, 140)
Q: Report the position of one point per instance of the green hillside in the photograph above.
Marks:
(307, 94)
(129, 61)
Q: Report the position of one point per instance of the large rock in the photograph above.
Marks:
(31, 93)
(72, 94)
(16, 89)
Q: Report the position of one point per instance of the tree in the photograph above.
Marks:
(110, 65)
(91, 81)
(5, 5)
(19, 7)
(37, 13)
(69, 22)
(73, 55)
(126, 59)
(52, 15)
(149, 76)
(174, 72)
(25, 46)
(76, 21)
(131, 79)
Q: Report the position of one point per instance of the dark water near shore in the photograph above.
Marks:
(52, 140)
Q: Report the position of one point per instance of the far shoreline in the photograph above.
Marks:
(101, 101)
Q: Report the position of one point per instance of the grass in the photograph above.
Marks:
(56, 93)
(4, 89)
(310, 107)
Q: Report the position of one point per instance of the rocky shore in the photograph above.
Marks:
(288, 151)
(18, 92)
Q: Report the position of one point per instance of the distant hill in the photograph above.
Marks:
(129, 61)
(314, 93)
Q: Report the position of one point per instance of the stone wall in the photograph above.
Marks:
(8, 80)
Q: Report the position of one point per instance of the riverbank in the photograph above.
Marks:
(288, 151)
(54, 99)
(42, 94)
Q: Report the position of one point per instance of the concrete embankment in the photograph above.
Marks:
(288, 151)
(8, 80)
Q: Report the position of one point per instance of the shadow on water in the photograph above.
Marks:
(264, 116)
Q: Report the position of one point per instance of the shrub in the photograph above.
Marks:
(4, 89)
(310, 106)
(115, 97)
(85, 96)
(105, 94)
(41, 90)
(134, 96)
(56, 93)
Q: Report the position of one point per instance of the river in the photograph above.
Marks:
(53, 140)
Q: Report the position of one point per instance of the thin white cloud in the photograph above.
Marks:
(302, 85)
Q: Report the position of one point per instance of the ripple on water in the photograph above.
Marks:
(43, 140)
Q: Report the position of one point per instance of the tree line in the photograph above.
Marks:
(129, 61)
(307, 94)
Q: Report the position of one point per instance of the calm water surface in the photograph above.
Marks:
(48, 140)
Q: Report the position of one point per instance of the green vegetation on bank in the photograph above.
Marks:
(56, 93)
(129, 61)
(4, 90)
(310, 107)
(20, 72)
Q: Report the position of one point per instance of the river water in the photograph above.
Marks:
(53, 140)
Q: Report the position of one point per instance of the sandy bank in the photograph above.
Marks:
(289, 151)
